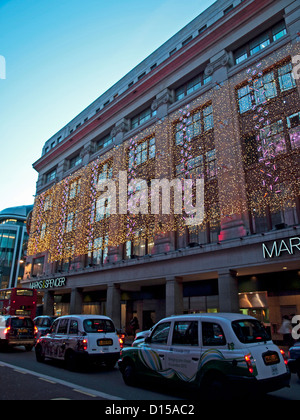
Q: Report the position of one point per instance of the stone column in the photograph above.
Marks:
(228, 292)
(161, 103)
(120, 130)
(174, 296)
(113, 304)
(76, 301)
(86, 153)
(48, 308)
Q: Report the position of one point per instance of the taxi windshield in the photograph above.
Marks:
(250, 331)
(98, 325)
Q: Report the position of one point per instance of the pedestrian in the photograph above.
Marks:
(286, 331)
(134, 325)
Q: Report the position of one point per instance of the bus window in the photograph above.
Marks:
(20, 302)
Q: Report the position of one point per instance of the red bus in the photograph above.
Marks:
(18, 301)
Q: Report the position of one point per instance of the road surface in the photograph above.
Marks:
(23, 378)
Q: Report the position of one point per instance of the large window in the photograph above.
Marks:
(75, 161)
(202, 166)
(260, 42)
(272, 141)
(211, 162)
(142, 153)
(194, 128)
(98, 251)
(38, 266)
(258, 92)
(139, 246)
(70, 222)
(279, 137)
(104, 142)
(74, 188)
(265, 87)
(286, 79)
(293, 123)
(43, 231)
(142, 117)
(208, 121)
(198, 123)
(48, 202)
(105, 172)
(191, 86)
(102, 209)
(50, 176)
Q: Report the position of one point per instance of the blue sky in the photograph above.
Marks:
(60, 56)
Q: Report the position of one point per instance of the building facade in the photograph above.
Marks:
(13, 245)
(218, 103)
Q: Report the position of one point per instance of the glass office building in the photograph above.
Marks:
(13, 245)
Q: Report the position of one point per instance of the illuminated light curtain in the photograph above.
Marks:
(185, 146)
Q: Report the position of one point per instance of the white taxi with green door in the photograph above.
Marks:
(209, 351)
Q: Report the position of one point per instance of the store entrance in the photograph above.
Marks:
(149, 319)
(256, 304)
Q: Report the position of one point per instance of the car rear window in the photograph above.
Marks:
(46, 322)
(250, 331)
(98, 325)
(21, 323)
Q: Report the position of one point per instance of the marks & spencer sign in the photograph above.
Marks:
(289, 246)
(49, 284)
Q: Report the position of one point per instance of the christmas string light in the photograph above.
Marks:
(71, 225)
(264, 146)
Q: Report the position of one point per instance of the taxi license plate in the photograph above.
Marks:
(23, 331)
(271, 359)
(105, 342)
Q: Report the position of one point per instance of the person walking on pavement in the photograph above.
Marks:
(134, 325)
(286, 331)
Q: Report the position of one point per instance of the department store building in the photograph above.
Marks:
(219, 102)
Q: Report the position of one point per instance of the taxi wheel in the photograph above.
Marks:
(39, 354)
(216, 387)
(71, 360)
(129, 375)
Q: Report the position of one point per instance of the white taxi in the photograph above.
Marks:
(217, 353)
(80, 338)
